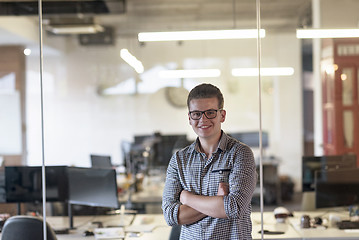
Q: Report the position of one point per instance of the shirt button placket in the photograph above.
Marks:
(203, 231)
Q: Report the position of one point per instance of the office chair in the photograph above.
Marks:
(25, 228)
(175, 232)
(101, 161)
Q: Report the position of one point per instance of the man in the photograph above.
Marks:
(209, 184)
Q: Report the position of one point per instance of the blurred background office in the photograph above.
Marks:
(96, 104)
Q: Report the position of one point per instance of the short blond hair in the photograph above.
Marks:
(206, 90)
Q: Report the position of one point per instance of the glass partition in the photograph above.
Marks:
(95, 103)
(347, 80)
(10, 115)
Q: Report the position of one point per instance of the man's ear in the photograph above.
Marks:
(223, 115)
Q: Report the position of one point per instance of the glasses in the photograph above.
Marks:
(210, 114)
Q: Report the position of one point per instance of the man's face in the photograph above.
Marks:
(206, 128)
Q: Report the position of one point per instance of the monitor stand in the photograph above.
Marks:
(308, 201)
(18, 208)
(71, 222)
(71, 218)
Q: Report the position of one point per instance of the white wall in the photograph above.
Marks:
(78, 121)
(339, 14)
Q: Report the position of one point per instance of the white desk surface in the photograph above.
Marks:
(149, 226)
(154, 227)
(160, 229)
(270, 223)
(83, 223)
(292, 228)
(322, 233)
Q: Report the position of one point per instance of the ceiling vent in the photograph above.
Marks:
(105, 37)
(68, 7)
(64, 25)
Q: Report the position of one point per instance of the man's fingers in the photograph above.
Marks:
(223, 189)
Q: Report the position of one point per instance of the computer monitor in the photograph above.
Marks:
(100, 161)
(337, 188)
(161, 146)
(311, 164)
(251, 138)
(167, 146)
(24, 184)
(93, 187)
(146, 140)
(126, 153)
(2, 186)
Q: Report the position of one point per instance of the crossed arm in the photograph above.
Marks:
(195, 207)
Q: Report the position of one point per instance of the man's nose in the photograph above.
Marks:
(203, 117)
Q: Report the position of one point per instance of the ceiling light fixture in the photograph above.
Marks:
(328, 33)
(193, 73)
(200, 35)
(131, 60)
(253, 72)
(75, 29)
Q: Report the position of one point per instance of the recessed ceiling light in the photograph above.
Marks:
(200, 35)
(275, 71)
(327, 33)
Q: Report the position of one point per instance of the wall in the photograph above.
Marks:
(339, 14)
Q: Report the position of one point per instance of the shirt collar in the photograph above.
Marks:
(222, 144)
(223, 141)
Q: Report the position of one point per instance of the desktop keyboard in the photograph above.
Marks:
(348, 225)
(62, 231)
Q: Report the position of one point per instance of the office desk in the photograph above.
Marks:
(86, 222)
(149, 226)
(321, 233)
(154, 227)
(270, 223)
(293, 231)
(83, 223)
(154, 223)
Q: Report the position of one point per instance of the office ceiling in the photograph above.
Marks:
(61, 7)
(167, 15)
(128, 17)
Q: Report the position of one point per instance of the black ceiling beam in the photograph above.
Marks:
(28, 8)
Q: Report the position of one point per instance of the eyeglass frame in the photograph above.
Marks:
(204, 112)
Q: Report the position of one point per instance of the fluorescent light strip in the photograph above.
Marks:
(131, 60)
(327, 33)
(199, 35)
(75, 29)
(194, 73)
(252, 72)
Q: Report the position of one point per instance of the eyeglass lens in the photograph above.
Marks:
(210, 114)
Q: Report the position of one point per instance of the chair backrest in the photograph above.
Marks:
(25, 228)
(175, 232)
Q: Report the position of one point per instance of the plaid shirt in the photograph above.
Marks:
(189, 169)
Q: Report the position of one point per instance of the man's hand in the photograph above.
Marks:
(186, 214)
(223, 189)
(183, 196)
